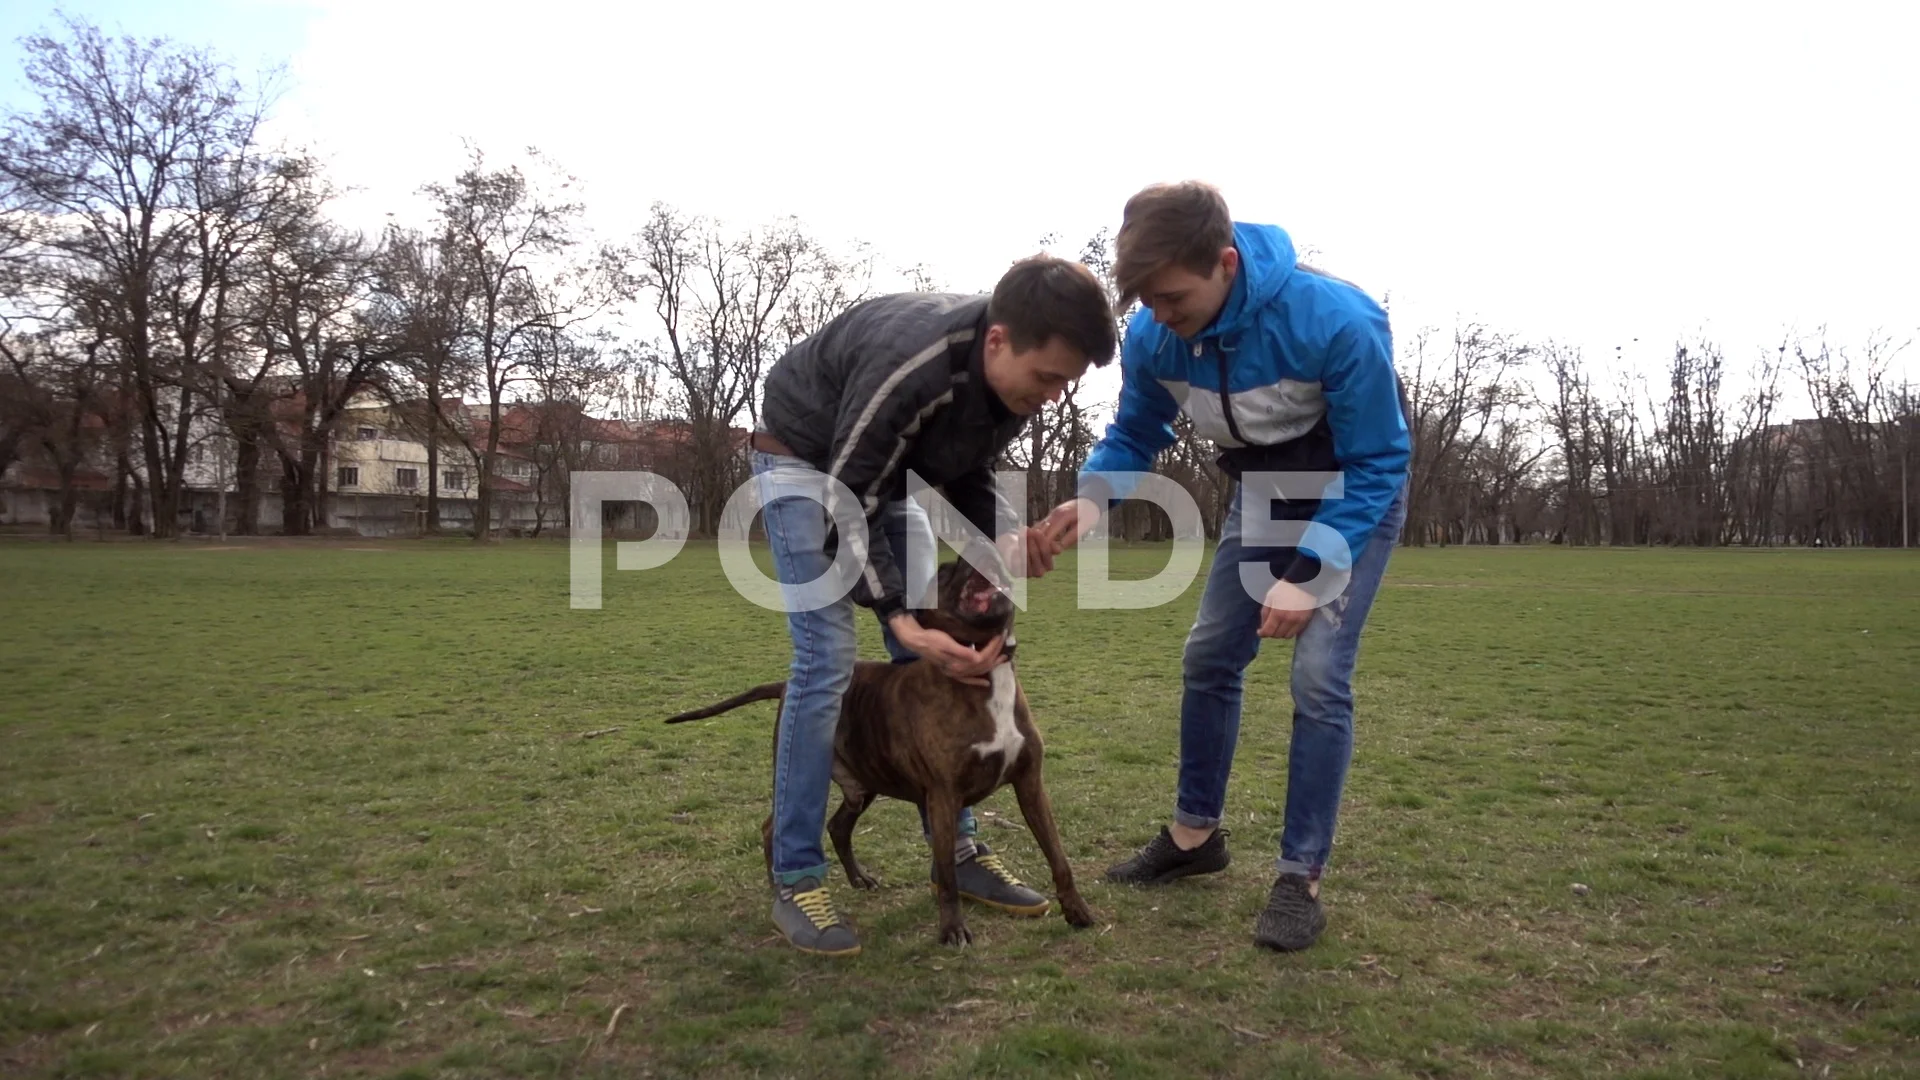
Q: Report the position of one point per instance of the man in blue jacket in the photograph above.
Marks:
(1290, 372)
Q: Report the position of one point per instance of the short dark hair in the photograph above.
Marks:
(1184, 224)
(1042, 297)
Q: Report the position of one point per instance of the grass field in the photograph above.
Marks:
(327, 810)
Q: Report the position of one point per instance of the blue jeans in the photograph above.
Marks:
(825, 646)
(1224, 640)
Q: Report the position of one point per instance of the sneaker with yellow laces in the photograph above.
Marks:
(984, 879)
(804, 915)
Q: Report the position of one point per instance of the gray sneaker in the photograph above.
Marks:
(805, 917)
(1293, 918)
(985, 879)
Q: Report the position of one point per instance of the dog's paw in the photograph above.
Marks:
(863, 880)
(957, 934)
(1077, 913)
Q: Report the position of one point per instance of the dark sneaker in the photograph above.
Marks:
(986, 880)
(1162, 860)
(805, 917)
(1293, 918)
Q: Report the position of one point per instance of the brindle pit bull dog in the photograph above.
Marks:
(909, 732)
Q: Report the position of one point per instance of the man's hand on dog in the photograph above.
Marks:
(955, 661)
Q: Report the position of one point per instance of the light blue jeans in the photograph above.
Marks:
(1224, 640)
(825, 646)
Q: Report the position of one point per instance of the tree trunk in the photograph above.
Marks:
(65, 464)
(246, 484)
(432, 524)
(321, 473)
(296, 494)
(60, 521)
(136, 507)
(154, 487)
(122, 470)
(482, 506)
(175, 475)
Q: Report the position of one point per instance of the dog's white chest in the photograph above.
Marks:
(1007, 739)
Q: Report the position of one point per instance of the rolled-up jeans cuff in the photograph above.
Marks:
(795, 877)
(1194, 821)
(968, 825)
(1310, 871)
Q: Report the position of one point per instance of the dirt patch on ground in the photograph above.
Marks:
(28, 816)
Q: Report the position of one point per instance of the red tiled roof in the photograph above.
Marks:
(30, 478)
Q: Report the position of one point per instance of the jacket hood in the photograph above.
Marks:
(1266, 262)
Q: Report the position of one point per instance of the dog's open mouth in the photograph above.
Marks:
(977, 595)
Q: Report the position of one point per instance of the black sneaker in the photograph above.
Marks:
(1293, 919)
(1162, 860)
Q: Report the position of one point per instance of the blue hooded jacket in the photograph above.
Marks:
(1295, 374)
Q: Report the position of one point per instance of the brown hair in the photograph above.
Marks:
(1184, 224)
(1042, 297)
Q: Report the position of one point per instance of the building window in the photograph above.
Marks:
(349, 476)
(454, 480)
(368, 434)
(406, 479)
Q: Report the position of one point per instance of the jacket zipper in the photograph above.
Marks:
(1226, 399)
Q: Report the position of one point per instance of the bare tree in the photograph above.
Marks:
(515, 246)
(136, 168)
(419, 309)
(1456, 401)
(52, 398)
(726, 306)
(570, 375)
(830, 283)
(634, 393)
(1692, 443)
(16, 267)
(311, 289)
(1756, 456)
(1573, 415)
(1849, 483)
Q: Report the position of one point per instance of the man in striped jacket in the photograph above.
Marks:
(932, 384)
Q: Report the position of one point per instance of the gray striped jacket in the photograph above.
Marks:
(893, 385)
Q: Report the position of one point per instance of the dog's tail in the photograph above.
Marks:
(763, 692)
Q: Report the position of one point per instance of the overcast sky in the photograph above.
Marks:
(1596, 173)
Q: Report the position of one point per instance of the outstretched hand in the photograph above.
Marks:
(1038, 555)
(1069, 522)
